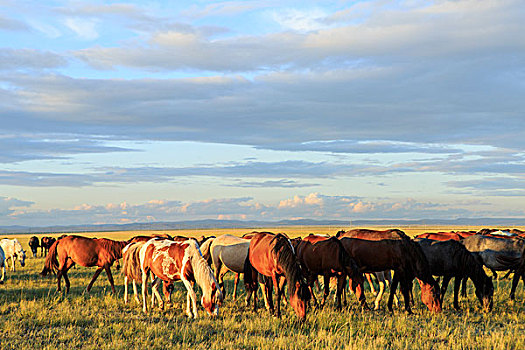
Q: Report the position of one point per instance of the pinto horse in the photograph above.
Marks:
(452, 259)
(171, 261)
(87, 252)
(403, 256)
(273, 256)
(327, 257)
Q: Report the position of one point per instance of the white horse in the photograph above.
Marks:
(2, 264)
(384, 278)
(13, 249)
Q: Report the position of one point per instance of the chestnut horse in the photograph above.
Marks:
(402, 255)
(327, 257)
(171, 261)
(87, 252)
(440, 236)
(273, 256)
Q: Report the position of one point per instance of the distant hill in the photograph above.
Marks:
(209, 224)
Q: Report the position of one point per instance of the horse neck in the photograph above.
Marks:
(473, 269)
(288, 261)
(201, 270)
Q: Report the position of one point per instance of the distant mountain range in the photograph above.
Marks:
(211, 224)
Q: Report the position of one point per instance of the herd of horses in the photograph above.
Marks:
(274, 262)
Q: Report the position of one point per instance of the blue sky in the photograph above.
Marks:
(117, 112)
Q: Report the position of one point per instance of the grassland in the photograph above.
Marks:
(34, 315)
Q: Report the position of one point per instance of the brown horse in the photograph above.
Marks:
(273, 256)
(405, 257)
(86, 252)
(327, 257)
(440, 236)
(45, 244)
(372, 235)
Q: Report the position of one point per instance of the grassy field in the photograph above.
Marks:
(34, 315)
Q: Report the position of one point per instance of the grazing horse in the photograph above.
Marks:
(13, 249)
(273, 256)
(499, 254)
(405, 257)
(45, 244)
(228, 253)
(34, 243)
(171, 261)
(87, 252)
(2, 264)
(328, 258)
(452, 259)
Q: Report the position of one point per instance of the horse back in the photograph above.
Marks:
(374, 235)
(261, 255)
(166, 259)
(376, 255)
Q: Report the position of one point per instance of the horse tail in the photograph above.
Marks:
(250, 283)
(51, 263)
(131, 261)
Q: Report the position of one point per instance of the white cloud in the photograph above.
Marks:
(84, 28)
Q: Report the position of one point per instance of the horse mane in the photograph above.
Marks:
(131, 261)
(286, 257)
(201, 270)
(114, 248)
(471, 266)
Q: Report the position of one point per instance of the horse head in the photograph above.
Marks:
(299, 299)
(211, 301)
(485, 294)
(430, 296)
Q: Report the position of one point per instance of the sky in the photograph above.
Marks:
(146, 111)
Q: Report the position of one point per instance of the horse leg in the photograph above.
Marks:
(125, 289)
(405, 290)
(457, 285)
(276, 283)
(95, 276)
(379, 295)
(190, 297)
(339, 290)
(145, 276)
(235, 284)
(13, 261)
(393, 288)
(155, 294)
(282, 284)
(107, 267)
(135, 291)
(369, 280)
(515, 281)
(464, 287)
(268, 294)
(444, 286)
(326, 289)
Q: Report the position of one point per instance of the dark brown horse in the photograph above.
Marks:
(372, 235)
(327, 257)
(34, 243)
(451, 259)
(87, 252)
(45, 244)
(402, 255)
(274, 257)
